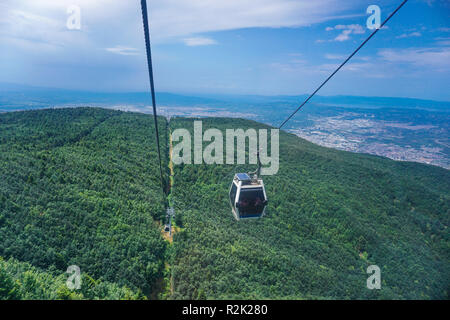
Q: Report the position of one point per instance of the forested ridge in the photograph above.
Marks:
(81, 187)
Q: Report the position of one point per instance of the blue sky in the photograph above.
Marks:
(268, 47)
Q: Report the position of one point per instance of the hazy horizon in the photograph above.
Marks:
(200, 94)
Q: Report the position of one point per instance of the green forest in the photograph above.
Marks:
(81, 186)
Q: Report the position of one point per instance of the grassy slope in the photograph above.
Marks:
(332, 214)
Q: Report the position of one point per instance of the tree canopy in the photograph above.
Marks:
(80, 186)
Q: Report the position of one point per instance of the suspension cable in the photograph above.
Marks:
(343, 63)
(152, 86)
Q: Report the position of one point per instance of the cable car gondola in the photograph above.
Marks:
(247, 195)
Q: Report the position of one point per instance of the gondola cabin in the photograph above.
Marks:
(247, 197)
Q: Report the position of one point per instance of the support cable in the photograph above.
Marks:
(152, 86)
(343, 63)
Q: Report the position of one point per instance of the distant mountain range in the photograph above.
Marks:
(14, 96)
(19, 97)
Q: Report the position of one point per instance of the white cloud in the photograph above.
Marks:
(169, 18)
(347, 30)
(345, 35)
(356, 28)
(443, 41)
(387, 63)
(361, 70)
(125, 51)
(199, 41)
(331, 56)
(341, 57)
(437, 59)
(179, 17)
(409, 35)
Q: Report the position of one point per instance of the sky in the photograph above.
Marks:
(264, 47)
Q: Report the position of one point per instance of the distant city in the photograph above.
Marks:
(395, 140)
